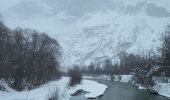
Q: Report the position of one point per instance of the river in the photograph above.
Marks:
(122, 91)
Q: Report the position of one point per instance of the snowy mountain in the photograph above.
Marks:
(92, 30)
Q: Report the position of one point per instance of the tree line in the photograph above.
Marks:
(27, 58)
(127, 65)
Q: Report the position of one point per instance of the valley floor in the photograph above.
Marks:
(93, 89)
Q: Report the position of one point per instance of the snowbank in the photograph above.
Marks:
(125, 78)
(93, 89)
(122, 78)
(40, 93)
(103, 77)
(5, 87)
(140, 87)
(163, 89)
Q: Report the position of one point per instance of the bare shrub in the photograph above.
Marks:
(27, 57)
(75, 76)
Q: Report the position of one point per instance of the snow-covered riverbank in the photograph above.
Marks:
(162, 88)
(93, 89)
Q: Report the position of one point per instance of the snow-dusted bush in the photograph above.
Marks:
(144, 76)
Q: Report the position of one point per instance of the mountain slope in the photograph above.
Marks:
(93, 30)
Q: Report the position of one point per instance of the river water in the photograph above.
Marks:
(122, 91)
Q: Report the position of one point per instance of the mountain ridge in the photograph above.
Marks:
(92, 30)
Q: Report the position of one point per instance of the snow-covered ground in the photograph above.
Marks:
(119, 78)
(122, 78)
(140, 87)
(40, 93)
(92, 88)
(163, 89)
(102, 77)
(4, 86)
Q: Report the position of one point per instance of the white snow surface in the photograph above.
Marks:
(119, 78)
(94, 89)
(140, 87)
(92, 30)
(40, 93)
(102, 77)
(123, 78)
(163, 89)
(4, 85)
